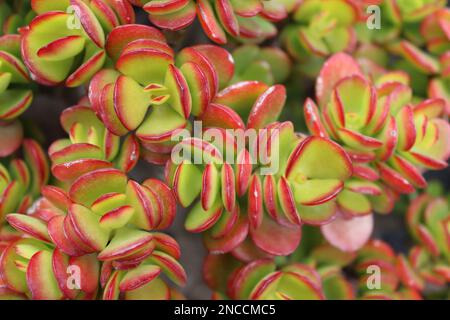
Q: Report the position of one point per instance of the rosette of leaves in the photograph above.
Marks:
(238, 195)
(261, 279)
(13, 15)
(428, 219)
(65, 43)
(270, 65)
(399, 19)
(22, 178)
(390, 140)
(106, 225)
(321, 28)
(153, 92)
(321, 271)
(15, 93)
(90, 146)
(384, 275)
(245, 20)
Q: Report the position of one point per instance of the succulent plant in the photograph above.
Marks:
(284, 202)
(320, 274)
(245, 20)
(104, 223)
(322, 28)
(66, 41)
(270, 65)
(22, 179)
(427, 219)
(390, 139)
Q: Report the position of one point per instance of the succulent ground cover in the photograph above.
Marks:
(281, 129)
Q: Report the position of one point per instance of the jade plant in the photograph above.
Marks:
(245, 20)
(102, 222)
(279, 175)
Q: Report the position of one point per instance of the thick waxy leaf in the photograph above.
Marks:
(312, 118)
(199, 220)
(89, 187)
(154, 290)
(166, 200)
(187, 183)
(138, 277)
(89, 268)
(241, 96)
(198, 87)
(86, 225)
(349, 234)
(267, 287)
(73, 235)
(117, 40)
(56, 196)
(116, 218)
(111, 290)
(176, 20)
(40, 278)
(267, 107)
(225, 223)
(394, 180)
(128, 92)
(227, 17)
(217, 115)
(255, 202)
(338, 66)
(124, 243)
(287, 201)
(419, 59)
(295, 286)
(221, 60)
(407, 275)
(231, 240)
(13, 277)
(89, 22)
(60, 265)
(147, 210)
(167, 244)
(209, 22)
(144, 66)
(11, 135)
(274, 238)
(180, 97)
(248, 277)
(406, 128)
(160, 124)
(60, 239)
(210, 186)
(353, 203)
(29, 225)
(318, 214)
(314, 192)
(313, 151)
(169, 266)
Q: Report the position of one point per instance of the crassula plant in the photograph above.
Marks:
(274, 129)
(244, 20)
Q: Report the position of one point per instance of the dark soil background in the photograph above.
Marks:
(49, 103)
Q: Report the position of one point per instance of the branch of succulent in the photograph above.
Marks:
(323, 272)
(428, 220)
(22, 179)
(102, 222)
(242, 20)
(66, 41)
